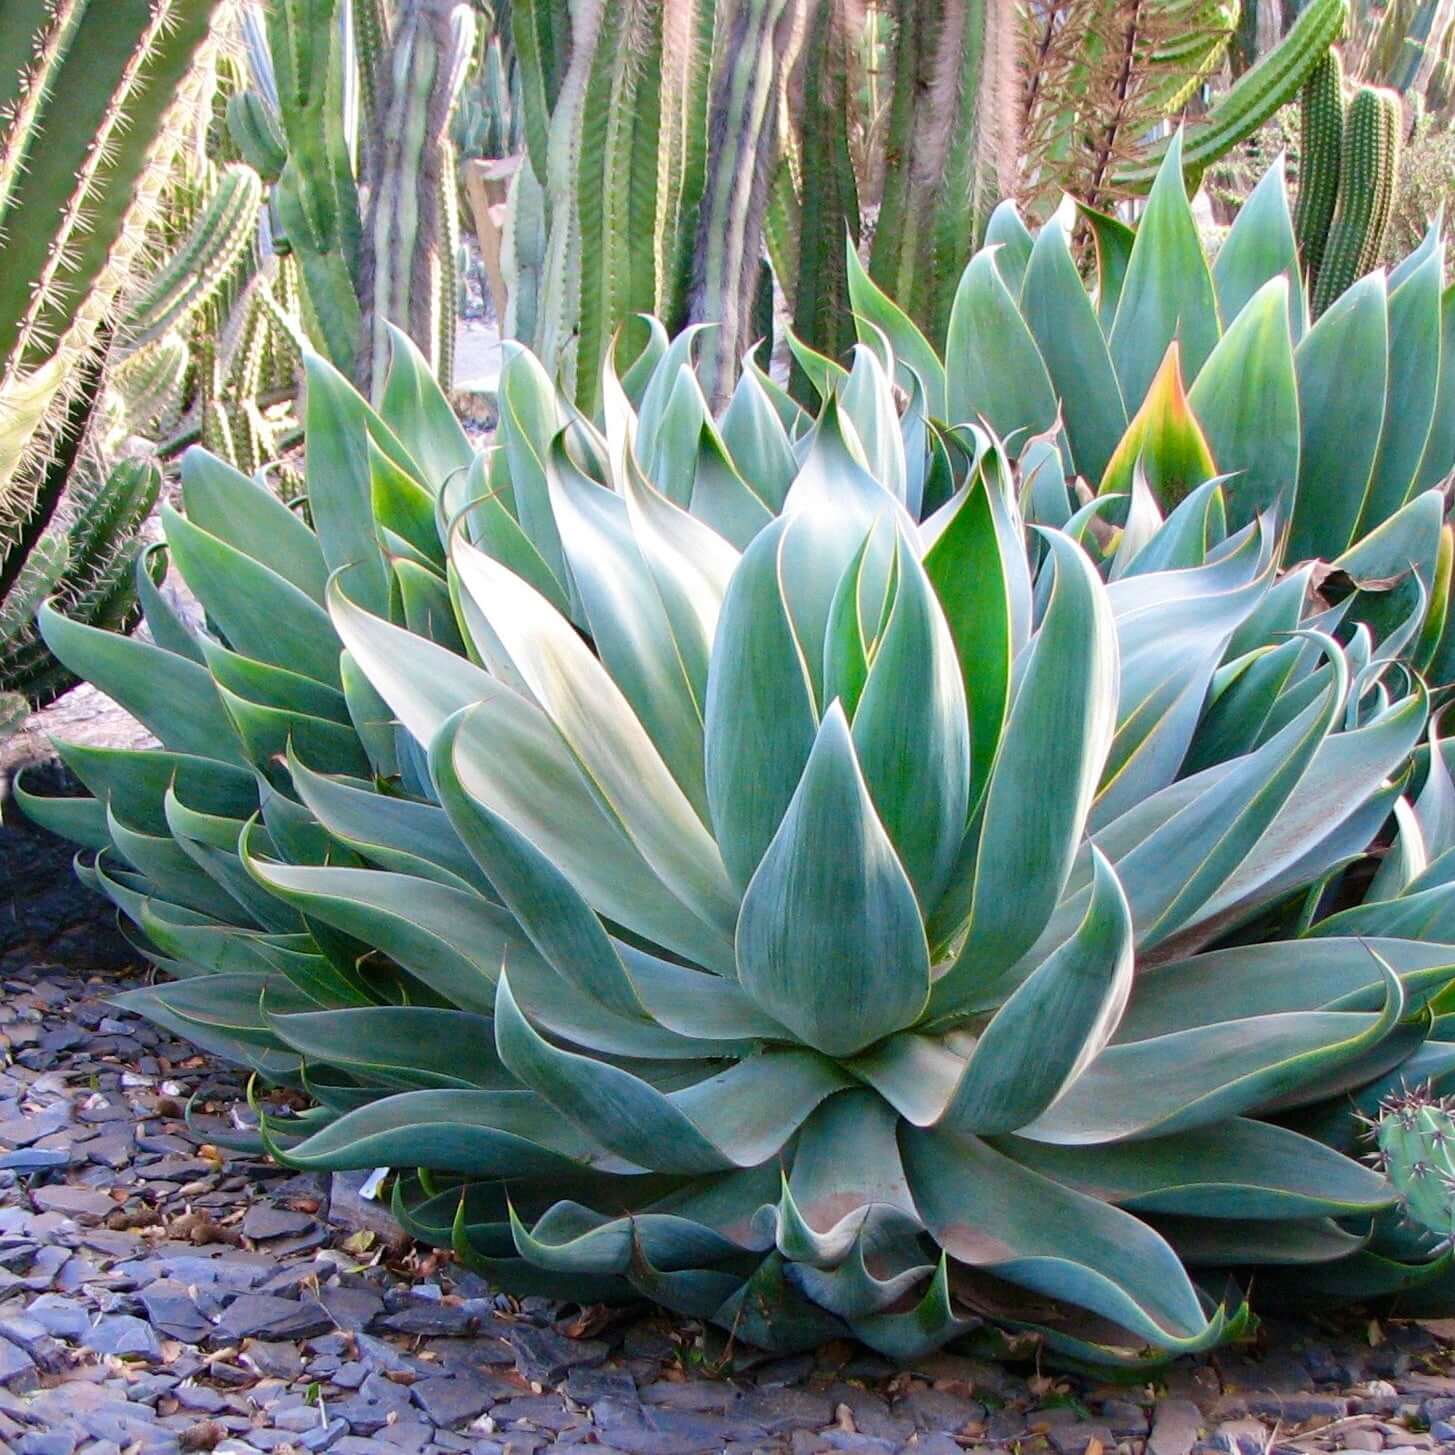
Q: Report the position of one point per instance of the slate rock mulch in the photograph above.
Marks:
(160, 1295)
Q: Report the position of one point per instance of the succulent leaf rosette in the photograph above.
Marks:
(937, 861)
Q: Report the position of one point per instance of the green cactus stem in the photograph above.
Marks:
(1252, 99)
(253, 126)
(952, 133)
(1415, 1135)
(1368, 168)
(1321, 105)
(316, 196)
(408, 245)
(202, 265)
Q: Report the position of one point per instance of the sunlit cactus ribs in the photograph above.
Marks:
(90, 97)
(929, 862)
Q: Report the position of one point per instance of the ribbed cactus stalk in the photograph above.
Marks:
(616, 127)
(316, 196)
(201, 266)
(87, 93)
(1253, 98)
(91, 95)
(952, 139)
(1321, 139)
(759, 48)
(1415, 1135)
(90, 565)
(1368, 172)
(253, 126)
(408, 242)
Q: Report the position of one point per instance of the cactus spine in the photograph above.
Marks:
(1321, 143)
(1368, 168)
(1415, 1135)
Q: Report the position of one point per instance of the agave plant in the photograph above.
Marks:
(823, 873)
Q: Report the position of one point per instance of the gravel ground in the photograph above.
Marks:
(160, 1295)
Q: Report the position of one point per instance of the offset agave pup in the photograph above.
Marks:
(744, 863)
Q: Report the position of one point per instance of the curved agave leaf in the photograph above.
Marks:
(1056, 1022)
(830, 940)
(990, 1212)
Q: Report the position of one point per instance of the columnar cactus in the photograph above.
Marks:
(1321, 142)
(1368, 171)
(408, 252)
(90, 94)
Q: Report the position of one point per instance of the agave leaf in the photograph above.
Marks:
(414, 406)
(1057, 1021)
(134, 781)
(510, 759)
(1246, 399)
(1063, 322)
(1414, 369)
(690, 566)
(1046, 769)
(1261, 246)
(911, 734)
(1167, 294)
(479, 1133)
(261, 614)
(846, 1176)
(884, 1263)
(403, 507)
(1280, 978)
(631, 628)
(761, 716)
(1202, 1075)
(1165, 437)
(270, 686)
(171, 696)
(867, 401)
(1113, 241)
(617, 756)
(993, 369)
(830, 940)
(81, 820)
(1339, 427)
(966, 566)
(400, 1046)
(557, 920)
(339, 495)
(1227, 1242)
(914, 355)
(674, 447)
(530, 418)
(235, 508)
(397, 833)
(1233, 1169)
(173, 873)
(454, 942)
(1439, 457)
(756, 441)
(990, 1212)
(734, 1119)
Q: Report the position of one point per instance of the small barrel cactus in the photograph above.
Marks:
(1415, 1133)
